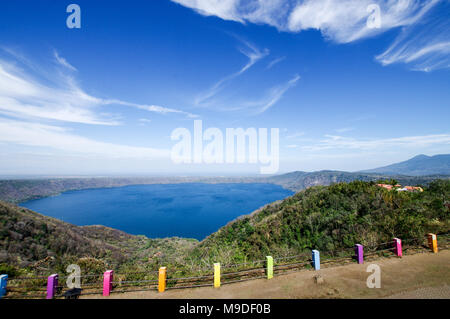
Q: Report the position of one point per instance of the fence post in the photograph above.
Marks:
(269, 265)
(359, 250)
(398, 247)
(3, 283)
(432, 242)
(162, 279)
(107, 282)
(316, 259)
(52, 283)
(216, 275)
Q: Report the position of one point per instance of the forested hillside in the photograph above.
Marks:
(38, 244)
(331, 218)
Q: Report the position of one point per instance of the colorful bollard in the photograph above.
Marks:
(269, 265)
(52, 284)
(216, 275)
(398, 247)
(107, 282)
(162, 279)
(359, 250)
(432, 242)
(316, 259)
(3, 284)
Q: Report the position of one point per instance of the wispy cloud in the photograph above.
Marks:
(253, 54)
(344, 129)
(344, 21)
(63, 61)
(24, 95)
(275, 61)
(272, 96)
(61, 139)
(424, 45)
(330, 142)
(276, 93)
(295, 135)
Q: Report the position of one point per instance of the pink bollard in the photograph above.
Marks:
(52, 283)
(107, 282)
(398, 247)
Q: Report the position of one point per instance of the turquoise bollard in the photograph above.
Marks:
(316, 259)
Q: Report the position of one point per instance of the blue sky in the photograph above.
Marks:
(104, 99)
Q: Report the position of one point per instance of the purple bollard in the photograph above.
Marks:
(359, 250)
(52, 283)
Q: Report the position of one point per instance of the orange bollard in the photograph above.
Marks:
(432, 242)
(162, 279)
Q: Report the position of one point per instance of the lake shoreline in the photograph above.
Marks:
(187, 210)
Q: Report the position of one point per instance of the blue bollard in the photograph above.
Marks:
(3, 283)
(316, 259)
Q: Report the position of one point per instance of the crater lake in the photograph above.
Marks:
(190, 210)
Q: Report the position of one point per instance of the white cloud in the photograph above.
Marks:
(276, 93)
(339, 142)
(295, 135)
(275, 61)
(253, 54)
(344, 129)
(60, 139)
(25, 96)
(63, 61)
(344, 21)
(425, 45)
(272, 96)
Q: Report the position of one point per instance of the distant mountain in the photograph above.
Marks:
(417, 166)
(17, 191)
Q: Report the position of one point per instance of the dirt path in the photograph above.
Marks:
(423, 275)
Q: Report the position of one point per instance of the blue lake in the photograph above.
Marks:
(192, 210)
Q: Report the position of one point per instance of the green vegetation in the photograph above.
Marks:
(37, 244)
(329, 218)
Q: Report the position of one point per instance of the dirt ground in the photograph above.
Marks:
(423, 275)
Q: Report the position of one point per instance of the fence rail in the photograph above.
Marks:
(47, 287)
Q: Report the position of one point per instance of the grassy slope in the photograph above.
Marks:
(39, 244)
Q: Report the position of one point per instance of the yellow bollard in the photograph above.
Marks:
(216, 275)
(432, 242)
(162, 279)
(269, 265)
